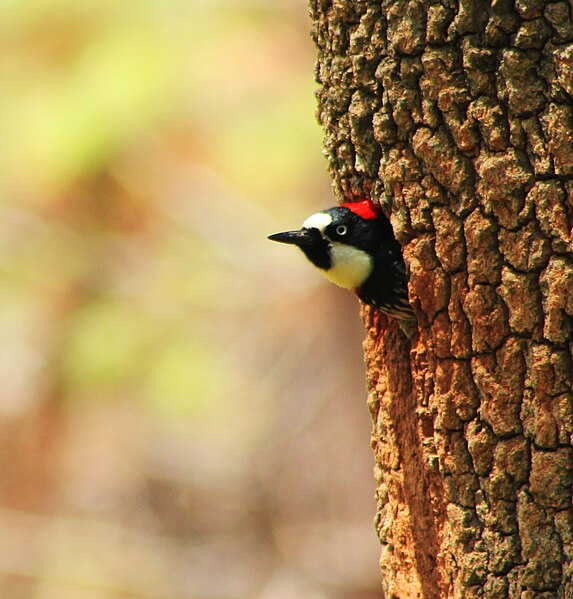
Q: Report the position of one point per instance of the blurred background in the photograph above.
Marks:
(182, 402)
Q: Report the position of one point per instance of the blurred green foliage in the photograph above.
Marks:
(85, 80)
(102, 103)
(165, 369)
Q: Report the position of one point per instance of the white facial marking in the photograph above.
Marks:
(319, 221)
(350, 266)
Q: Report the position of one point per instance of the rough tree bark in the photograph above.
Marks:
(457, 116)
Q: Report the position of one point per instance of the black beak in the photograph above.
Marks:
(302, 238)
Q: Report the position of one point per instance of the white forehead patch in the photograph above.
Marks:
(319, 221)
(350, 266)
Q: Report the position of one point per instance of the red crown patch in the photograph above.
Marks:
(365, 209)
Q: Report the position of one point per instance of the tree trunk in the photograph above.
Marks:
(457, 117)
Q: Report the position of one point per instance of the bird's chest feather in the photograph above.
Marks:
(350, 267)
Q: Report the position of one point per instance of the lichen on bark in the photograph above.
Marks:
(457, 117)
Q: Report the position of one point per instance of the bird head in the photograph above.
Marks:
(339, 241)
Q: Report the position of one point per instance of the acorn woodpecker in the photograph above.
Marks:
(353, 246)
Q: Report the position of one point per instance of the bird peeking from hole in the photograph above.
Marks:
(353, 246)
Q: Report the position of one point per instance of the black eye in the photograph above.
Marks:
(341, 230)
